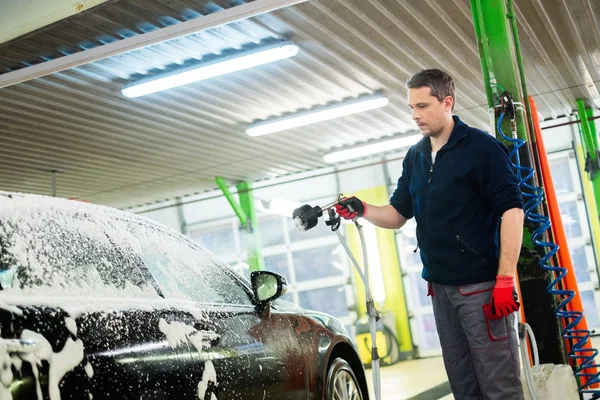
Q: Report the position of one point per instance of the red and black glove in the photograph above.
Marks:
(504, 297)
(351, 208)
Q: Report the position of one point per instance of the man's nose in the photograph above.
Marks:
(415, 115)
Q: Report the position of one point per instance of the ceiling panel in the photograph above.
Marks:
(125, 152)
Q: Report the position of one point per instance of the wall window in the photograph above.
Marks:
(314, 263)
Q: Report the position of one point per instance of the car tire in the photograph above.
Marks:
(341, 382)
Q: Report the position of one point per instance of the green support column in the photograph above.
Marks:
(246, 212)
(590, 142)
(253, 243)
(496, 42)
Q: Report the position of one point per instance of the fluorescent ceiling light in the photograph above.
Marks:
(317, 114)
(220, 66)
(373, 148)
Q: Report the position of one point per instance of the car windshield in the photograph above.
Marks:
(93, 250)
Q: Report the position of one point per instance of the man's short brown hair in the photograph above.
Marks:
(440, 83)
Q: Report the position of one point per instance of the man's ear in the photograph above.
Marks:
(448, 103)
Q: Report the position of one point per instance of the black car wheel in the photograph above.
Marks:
(341, 382)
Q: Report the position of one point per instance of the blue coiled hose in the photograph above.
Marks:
(582, 356)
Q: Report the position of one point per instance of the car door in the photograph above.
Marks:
(275, 365)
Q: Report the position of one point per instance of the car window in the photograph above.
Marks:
(92, 252)
(50, 253)
(184, 270)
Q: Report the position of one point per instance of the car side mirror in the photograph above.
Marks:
(267, 286)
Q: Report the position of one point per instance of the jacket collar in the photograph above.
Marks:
(458, 132)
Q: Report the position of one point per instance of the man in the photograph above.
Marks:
(458, 183)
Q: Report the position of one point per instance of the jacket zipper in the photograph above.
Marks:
(472, 250)
(429, 180)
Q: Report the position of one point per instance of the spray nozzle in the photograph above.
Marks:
(306, 217)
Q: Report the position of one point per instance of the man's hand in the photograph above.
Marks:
(504, 297)
(351, 208)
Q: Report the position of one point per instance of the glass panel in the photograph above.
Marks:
(218, 239)
(183, 270)
(580, 264)
(288, 297)
(320, 262)
(409, 244)
(570, 219)
(561, 176)
(271, 231)
(278, 263)
(589, 308)
(243, 269)
(71, 251)
(330, 300)
(419, 290)
(429, 339)
(318, 231)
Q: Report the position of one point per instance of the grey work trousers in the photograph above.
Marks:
(480, 355)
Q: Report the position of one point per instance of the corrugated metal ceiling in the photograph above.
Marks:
(124, 152)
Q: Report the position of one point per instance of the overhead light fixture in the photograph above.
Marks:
(373, 148)
(317, 114)
(220, 66)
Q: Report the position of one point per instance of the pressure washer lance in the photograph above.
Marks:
(306, 217)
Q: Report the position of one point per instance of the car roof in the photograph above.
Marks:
(11, 203)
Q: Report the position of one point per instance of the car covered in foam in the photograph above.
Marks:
(97, 303)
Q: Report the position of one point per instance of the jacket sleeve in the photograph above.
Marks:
(401, 199)
(498, 181)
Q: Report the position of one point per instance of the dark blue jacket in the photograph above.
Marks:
(457, 203)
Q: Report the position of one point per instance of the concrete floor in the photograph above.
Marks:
(410, 379)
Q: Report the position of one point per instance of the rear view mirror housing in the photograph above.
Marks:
(267, 286)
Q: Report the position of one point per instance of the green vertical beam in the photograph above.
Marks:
(253, 242)
(497, 42)
(590, 114)
(484, 53)
(246, 212)
(519, 58)
(588, 133)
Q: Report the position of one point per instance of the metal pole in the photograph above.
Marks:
(371, 312)
(493, 31)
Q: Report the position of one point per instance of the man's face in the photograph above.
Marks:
(430, 114)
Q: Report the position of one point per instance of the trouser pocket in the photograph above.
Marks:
(496, 328)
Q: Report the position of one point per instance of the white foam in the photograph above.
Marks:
(60, 363)
(89, 370)
(71, 325)
(179, 334)
(209, 375)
